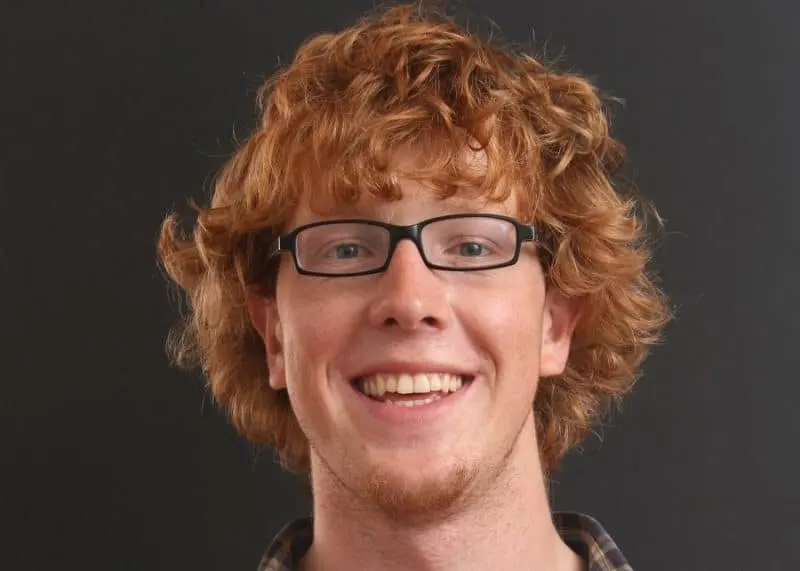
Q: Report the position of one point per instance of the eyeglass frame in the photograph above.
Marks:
(288, 242)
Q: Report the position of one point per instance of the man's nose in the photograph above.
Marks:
(409, 295)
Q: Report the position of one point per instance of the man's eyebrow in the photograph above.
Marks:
(335, 213)
(332, 210)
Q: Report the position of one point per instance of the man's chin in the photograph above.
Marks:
(418, 499)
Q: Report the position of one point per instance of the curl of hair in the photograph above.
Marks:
(331, 122)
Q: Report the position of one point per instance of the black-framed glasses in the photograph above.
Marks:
(355, 247)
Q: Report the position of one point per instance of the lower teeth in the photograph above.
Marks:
(416, 402)
(412, 402)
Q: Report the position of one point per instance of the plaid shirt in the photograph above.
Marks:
(582, 533)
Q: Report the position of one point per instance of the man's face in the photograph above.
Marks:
(494, 332)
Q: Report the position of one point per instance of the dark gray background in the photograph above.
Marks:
(113, 112)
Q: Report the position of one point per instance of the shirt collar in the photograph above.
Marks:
(583, 534)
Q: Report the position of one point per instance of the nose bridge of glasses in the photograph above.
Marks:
(397, 234)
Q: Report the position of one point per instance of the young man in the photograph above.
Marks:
(417, 281)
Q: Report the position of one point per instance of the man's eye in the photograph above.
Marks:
(472, 249)
(345, 251)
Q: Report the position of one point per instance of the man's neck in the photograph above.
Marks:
(509, 527)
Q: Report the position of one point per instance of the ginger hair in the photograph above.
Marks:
(329, 124)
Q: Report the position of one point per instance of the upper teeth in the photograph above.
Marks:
(404, 384)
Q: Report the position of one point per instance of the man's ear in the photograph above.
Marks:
(560, 316)
(264, 316)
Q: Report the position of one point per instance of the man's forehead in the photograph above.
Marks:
(419, 194)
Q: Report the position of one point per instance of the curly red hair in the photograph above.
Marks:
(329, 125)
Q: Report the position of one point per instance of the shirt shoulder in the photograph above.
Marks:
(591, 541)
(288, 547)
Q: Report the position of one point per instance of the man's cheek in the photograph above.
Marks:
(313, 325)
(513, 320)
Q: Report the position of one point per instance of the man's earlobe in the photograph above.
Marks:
(559, 319)
(263, 312)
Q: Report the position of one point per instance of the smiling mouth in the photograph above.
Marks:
(411, 390)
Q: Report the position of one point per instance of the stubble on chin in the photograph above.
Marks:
(405, 500)
(423, 500)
